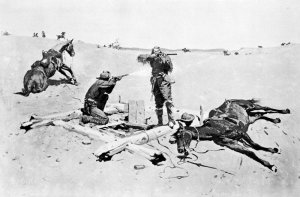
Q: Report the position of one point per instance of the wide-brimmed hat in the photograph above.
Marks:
(185, 117)
(105, 75)
(156, 49)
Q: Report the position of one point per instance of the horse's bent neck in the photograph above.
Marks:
(200, 133)
(60, 47)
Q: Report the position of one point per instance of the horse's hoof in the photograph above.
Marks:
(287, 111)
(274, 168)
(172, 141)
(277, 120)
(180, 151)
(275, 150)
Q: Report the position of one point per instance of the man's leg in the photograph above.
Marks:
(166, 92)
(102, 101)
(159, 103)
(95, 116)
(159, 114)
(99, 117)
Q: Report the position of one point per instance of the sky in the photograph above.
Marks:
(202, 24)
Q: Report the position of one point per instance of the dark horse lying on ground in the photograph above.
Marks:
(227, 125)
(35, 80)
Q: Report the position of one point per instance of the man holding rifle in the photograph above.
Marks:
(161, 83)
(96, 98)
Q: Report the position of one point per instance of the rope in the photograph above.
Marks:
(171, 167)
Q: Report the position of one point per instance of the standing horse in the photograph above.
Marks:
(227, 125)
(53, 60)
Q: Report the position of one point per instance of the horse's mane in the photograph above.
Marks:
(58, 46)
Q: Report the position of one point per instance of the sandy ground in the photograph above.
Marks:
(51, 161)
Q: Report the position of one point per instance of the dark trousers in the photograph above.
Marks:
(162, 92)
(96, 108)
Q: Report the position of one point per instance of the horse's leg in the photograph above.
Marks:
(233, 145)
(65, 67)
(268, 109)
(256, 146)
(63, 72)
(254, 117)
(275, 121)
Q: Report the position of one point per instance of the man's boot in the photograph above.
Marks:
(96, 120)
(159, 113)
(170, 106)
(74, 82)
(99, 121)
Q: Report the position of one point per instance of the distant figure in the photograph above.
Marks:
(185, 50)
(43, 34)
(236, 53)
(35, 34)
(260, 47)
(114, 45)
(96, 98)
(226, 52)
(5, 33)
(61, 36)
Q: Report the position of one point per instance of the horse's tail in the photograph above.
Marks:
(23, 92)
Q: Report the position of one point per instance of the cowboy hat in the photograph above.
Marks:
(185, 117)
(105, 75)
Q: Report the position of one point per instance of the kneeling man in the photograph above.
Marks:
(96, 98)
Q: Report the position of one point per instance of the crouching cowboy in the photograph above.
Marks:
(96, 98)
(161, 84)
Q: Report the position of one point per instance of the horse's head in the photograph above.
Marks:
(70, 48)
(183, 139)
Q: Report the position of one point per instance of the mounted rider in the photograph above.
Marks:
(161, 84)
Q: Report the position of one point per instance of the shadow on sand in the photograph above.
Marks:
(54, 82)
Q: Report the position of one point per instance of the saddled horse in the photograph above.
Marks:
(227, 126)
(53, 60)
(35, 80)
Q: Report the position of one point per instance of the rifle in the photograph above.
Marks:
(171, 54)
(118, 78)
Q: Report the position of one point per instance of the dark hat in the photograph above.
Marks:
(156, 49)
(105, 75)
(185, 117)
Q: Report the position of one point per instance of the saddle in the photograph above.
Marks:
(51, 56)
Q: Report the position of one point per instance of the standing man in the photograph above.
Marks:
(43, 34)
(96, 98)
(161, 84)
